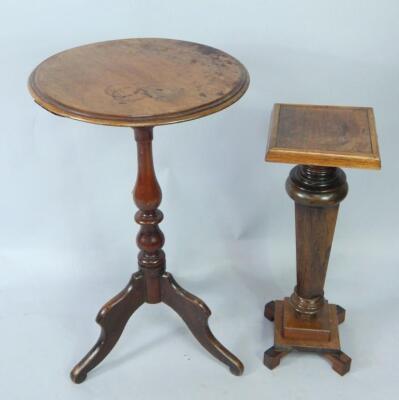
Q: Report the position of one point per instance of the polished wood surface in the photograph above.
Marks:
(151, 284)
(310, 333)
(141, 83)
(306, 321)
(329, 136)
(274, 311)
(138, 82)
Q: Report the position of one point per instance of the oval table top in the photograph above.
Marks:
(138, 82)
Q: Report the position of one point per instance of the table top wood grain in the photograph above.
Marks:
(138, 82)
(333, 136)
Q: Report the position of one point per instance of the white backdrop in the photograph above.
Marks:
(66, 212)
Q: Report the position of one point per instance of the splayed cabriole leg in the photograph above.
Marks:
(151, 284)
(195, 314)
(112, 318)
(305, 321)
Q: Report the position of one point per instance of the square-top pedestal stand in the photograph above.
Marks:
(320, 139)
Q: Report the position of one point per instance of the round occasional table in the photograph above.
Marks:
(141, 83)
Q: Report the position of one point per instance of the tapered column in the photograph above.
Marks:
(317, 192)
(305, 321)
(147, 196)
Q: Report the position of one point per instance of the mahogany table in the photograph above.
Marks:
(141, 83)
(320, 139)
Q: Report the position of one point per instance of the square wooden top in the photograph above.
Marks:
(329, 136)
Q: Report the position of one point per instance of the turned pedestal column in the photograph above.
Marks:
(320, 139)
(142, 83)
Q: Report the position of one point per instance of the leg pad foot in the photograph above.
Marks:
(77, 376)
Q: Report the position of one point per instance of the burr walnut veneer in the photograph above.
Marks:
(141, 83)
(321, 139)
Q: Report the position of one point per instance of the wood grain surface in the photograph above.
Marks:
(138, 82)
(331, 136)
(305, 321)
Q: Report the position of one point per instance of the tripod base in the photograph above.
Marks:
(318, 334)
(114, 315)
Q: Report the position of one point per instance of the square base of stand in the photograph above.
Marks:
(319, 333)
